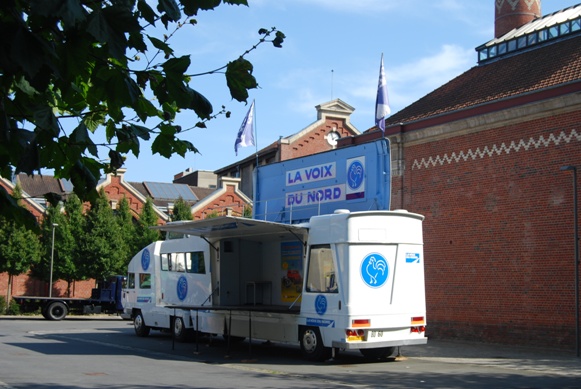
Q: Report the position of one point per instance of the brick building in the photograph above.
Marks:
(333, 122)
(480, 157)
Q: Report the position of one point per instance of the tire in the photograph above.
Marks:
(139, 325)
(180, 332)
(312, 347)
(377, 353)
(56, 310)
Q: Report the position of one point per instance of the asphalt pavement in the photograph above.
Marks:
(560, 362)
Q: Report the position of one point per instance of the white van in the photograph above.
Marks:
(348, 280)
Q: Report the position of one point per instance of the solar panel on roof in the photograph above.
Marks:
(168, 191)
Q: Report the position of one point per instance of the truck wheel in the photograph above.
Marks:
(180, 332)
(139, 325)
(312, 347)
(377, 353)
(57, 310)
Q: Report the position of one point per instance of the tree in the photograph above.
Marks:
(19, 247)
(102, 252)
(181, 210)
(127, 229)
(147, 218)
(80, 61)
(64, 255)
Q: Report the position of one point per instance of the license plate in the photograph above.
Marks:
(375, 334)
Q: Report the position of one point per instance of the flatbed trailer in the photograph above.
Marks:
(106, 298)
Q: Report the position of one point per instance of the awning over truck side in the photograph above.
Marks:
(233, 227)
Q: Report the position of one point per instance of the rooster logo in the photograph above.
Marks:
(374, 270)
(355, 175)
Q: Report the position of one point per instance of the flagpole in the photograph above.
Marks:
(256, 153)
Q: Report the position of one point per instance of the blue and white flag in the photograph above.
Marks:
(246, 133)
(382, 108)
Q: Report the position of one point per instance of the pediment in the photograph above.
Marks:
(335, 108)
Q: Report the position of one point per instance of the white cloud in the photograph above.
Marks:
(434, 70)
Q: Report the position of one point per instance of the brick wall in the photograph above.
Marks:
(227, 203)
(498, 230)
(314, 141)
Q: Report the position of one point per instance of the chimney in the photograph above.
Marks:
(511, 14)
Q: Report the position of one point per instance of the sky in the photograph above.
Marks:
(332, 51)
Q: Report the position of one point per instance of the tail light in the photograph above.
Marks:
(355, 335)
(418, 329)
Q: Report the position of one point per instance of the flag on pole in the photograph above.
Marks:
(382, 108)
(246, 133)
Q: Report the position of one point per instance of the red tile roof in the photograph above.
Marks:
(540, 69)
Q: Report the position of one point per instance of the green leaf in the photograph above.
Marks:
(239, 79)
(162, 145)
(53, 198)
(80, 134)
(176, 67)
(161, 45)
(93, 120)
(28, 52)
(169, 111)
(127, 140)
(110, 130)
(236, 2)
(200, 104)
(145, 109)
(277, 41)
(181, 147)
(25, 86)
(69, 11)
(10, 209)
(191, 7)
(136, 41)
(146, 11)
(171, 9)
(140, 131)
(84, 175)
(44, 119)
(116, 159)
(98, 27)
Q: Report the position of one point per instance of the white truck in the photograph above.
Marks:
(345, 280)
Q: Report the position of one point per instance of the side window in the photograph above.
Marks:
(321, 276)
(179, 262)
(145, 281)
(165, 262)
(195, 262)
(131, 280)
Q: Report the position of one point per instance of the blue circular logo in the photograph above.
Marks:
(321, 304)
(355, 175)
(374, 270)
(145, 259)
(182, 288)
